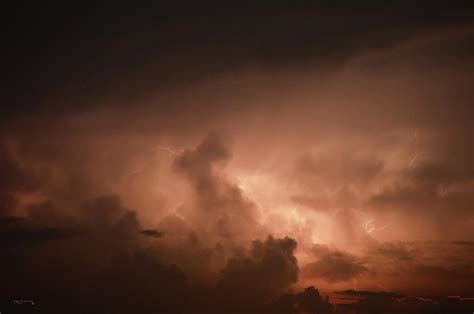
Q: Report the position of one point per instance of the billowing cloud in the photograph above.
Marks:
(218, 207)
(270, 267)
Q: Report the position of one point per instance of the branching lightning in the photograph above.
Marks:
(370, 226)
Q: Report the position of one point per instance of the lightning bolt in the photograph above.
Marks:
(370, 226)
(418, 298)
(412, 161)
(171, 152)
(459, 298)
(416, 140)
(424, 299)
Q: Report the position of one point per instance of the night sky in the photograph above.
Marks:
(240, 157)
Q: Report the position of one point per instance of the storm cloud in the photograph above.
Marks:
(212, 157)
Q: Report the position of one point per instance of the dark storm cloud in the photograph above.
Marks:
(106, 215)
(152, 233)
(197, 165)
(14, 179)
(17, 231)
(218, 208)
(132, 49)
(45, 213)
(334, 265)
(309, 301)
(101, 217)
(102, 267)
(91, 266)
(270, 267)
